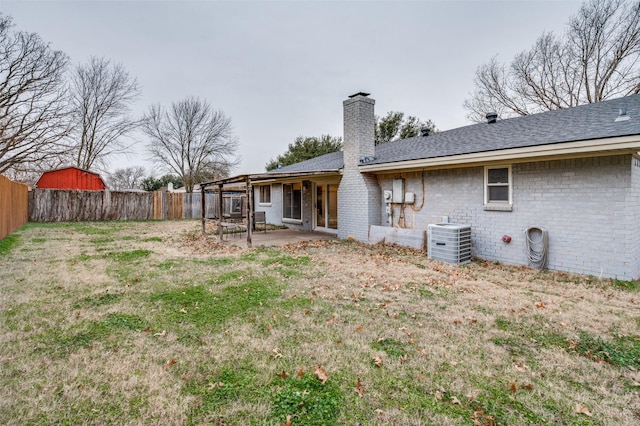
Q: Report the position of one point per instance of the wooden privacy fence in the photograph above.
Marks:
(61, 205)
(167, 205)
(180, 205)
(14, 206)
(58, 205)
(193, 205)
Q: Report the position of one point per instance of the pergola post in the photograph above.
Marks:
(249, 210)
(220, 211)
(203, 207)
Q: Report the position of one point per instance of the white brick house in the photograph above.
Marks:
(574, 172)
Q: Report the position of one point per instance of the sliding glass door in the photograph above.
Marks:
(326, 200)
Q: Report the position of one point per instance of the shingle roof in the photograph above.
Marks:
(327, 162)
(591, 121)
(585, 122)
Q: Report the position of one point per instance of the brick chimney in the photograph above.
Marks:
(359, 129)
(358, 194)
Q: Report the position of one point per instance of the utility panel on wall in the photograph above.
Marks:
(398, 190)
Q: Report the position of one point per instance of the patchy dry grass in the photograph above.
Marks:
(151, 323)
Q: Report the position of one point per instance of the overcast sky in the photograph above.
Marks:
(282, 69)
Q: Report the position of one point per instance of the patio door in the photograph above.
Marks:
(326, 201)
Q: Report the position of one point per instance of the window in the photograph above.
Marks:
(292, 201)
(497, 185)
(265, 194)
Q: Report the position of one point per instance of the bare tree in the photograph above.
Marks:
(102, 96)
(192, 140)
(126, 178)
(33, 101)
(29, 173)
(597, 59)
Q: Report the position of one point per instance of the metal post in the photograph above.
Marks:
(220, 211)
(249, 211)
(203, 207)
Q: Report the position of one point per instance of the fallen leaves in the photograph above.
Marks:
(288, 422)
(359, 389)
(480, 418)
(521, 368)
(321, 374)
(422, 377)
(377, 361)
(582, 409)
(514, 387)
(170, 364)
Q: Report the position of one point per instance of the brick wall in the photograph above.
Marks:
(632, 212)
(589, 207)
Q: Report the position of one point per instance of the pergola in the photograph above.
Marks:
(220, 185)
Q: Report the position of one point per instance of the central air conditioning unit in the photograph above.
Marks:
(449, 242)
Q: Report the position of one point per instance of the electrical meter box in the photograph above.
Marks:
(398, 191)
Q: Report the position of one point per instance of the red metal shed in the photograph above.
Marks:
(71, 178)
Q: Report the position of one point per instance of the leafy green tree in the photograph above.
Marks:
(395, 126)
(153, 184)
(305, 148)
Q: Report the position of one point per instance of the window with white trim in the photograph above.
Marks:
(265, 194)
(292, 201)
(497, 185)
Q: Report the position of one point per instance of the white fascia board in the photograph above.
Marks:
(595, 147)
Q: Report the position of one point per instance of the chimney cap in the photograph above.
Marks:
(491, 117)
(359, 94)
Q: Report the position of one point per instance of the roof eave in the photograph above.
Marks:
(587, 148)
(287, 176)
(270, 177)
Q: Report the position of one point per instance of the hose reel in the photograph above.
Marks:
(537, 242)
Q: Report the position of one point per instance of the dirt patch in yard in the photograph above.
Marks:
(151, 322)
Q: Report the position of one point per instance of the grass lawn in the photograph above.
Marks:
(151, 323)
